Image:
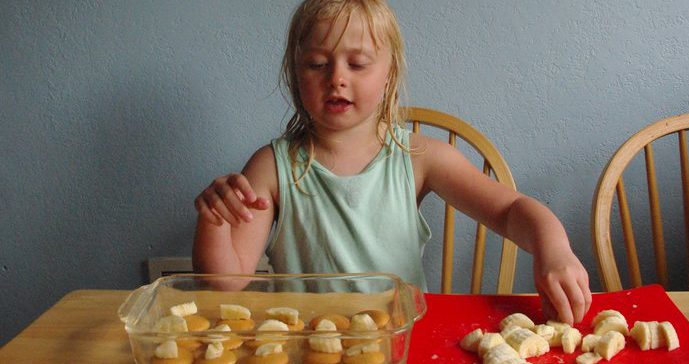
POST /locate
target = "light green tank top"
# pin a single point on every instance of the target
(346, 224)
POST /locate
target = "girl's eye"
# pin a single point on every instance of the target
(357, 66)
(316, 65)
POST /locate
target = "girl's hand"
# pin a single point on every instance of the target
(563, 285)
(229, 198)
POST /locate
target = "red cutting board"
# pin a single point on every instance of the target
(436, 337)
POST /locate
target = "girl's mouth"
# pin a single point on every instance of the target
(337, 105)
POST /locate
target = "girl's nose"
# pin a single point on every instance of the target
(338, 77)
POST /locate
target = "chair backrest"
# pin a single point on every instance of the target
(493, 165)
(165, 266)
(611, 183)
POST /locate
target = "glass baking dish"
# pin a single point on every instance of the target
(311, 295)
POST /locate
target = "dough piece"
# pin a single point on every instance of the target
(373, 357)
(277, 358)
(227, 357)
(297, 327)
(238, 325)
(197, 323)
(315, 357)
(348, 343)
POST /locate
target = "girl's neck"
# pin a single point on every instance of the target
(350, 140)
(349, 153)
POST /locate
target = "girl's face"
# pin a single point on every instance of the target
(342, 75)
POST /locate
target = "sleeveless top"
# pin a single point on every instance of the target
(346, 224)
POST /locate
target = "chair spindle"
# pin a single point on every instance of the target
(628, 234)
(448, 237)
(656, 218)
(684, 162)
(479, 247)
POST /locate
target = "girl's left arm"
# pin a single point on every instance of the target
(560, 278)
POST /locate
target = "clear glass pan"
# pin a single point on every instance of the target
(311, 294)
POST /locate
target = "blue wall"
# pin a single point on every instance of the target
(115, 114)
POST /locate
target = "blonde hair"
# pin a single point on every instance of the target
(383, 29)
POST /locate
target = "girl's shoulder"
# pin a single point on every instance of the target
(428, 153)
(261, 170)
(264, 156)
(424, 147)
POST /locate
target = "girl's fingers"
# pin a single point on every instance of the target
(548, 310)
(261, 203)
(586, 290)
(559, 300)
(221, 192)
(233, 202)
(218, 204)
(576, 300)
(242, 188)
(206, 212)
(230, 198)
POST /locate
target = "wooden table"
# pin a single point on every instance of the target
(83, 327)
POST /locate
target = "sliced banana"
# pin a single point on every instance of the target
(527, 344)
(234, 312)
(544, 331)
(214, 350)
(499, 354)
(362, 322)
(602, 315)
(507, 331)
(641, 333)
(556, 339)
(657, 340)
(273, 325)
(328, 342)
(268, 349)
(612, 323)
(588, 358)
(611, 343)
(287, 315)
(588, 343)
(167, 350)
(517, 319)
(217, 338)
(362, 348)
(515, 361)
(558, 326)
(489, 340)
(471, 340)
(669, 333)
(326, 325)
(222, 328)
(184, 309)
(571, 338)
(171, 324)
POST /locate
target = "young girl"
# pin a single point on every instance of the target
(344, 182)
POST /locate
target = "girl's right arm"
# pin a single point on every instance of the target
(235, 215)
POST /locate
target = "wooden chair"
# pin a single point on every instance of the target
(492, 162)
(611, 183)
(165, 266)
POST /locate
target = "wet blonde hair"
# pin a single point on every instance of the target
(384, 31)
